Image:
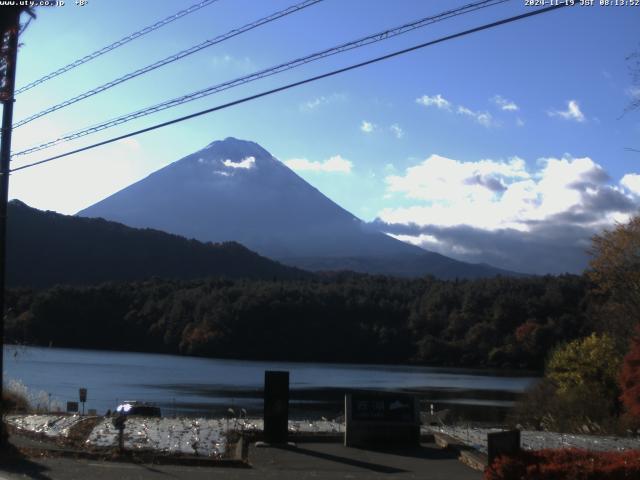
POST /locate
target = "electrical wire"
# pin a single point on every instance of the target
(301, 82)
(114, 45)
(374, 38)
(170, 59)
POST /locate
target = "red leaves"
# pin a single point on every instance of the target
(525, 331)
(630, 378)
(566, 464)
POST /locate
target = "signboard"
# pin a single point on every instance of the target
(390, 408)
(83, 395)
(379, 419)
(276, 406)
(72, 407)
(502, 443)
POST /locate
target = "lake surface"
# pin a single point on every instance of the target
(199, 386)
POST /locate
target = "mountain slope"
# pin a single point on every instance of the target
(46, 248)
(234, 190)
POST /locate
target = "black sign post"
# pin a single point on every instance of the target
(119, 422)
(502, 443)
(83, 397)
(276, 406)
(72, 407)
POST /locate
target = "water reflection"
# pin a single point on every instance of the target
(188, 385)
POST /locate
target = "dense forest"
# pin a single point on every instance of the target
(505, 322)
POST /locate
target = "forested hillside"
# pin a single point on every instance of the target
(46, 248)
(347, 318)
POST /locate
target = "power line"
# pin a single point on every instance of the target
(170, 59)
(119, 43)
(377, 37)
(299, 83)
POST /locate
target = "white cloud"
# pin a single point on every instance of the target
(483, 118)
(633, 92)
(507, 213)
(572, 112)
(437, 101)
(322, 100)
(631, 181)
(246, 163)
(519, 122)
(450, 187)
(243, 64)
(397, 131)
(367, 127)
(335, 164)
(505, 104)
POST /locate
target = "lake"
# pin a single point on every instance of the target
(204, 386)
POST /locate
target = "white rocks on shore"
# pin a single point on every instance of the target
(171, 436)
(52, 426)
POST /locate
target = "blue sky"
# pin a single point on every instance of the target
(480, 147)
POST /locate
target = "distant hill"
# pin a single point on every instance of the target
(46, 248)
(235, 190)
(403, 265)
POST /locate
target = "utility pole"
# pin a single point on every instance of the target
(9, 50)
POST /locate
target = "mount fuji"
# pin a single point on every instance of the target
(235, 190)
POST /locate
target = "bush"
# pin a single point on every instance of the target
(19, 399)
(581, 410)
(13, 401)
(579, 392)
(589, 365)
(566, 464)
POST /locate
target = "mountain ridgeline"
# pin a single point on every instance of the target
(47, 248)
(234, 190)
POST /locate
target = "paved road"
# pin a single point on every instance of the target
(317, 461)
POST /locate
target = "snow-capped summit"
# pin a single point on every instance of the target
(236, 190)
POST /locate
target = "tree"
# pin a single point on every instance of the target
(615, 272)
(584, 365)
(630, 378)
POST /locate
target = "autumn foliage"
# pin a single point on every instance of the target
(615, 272)
(566, 464)
(591, 363)
(630, 379)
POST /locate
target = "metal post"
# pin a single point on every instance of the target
(276, 407)
(11, 49)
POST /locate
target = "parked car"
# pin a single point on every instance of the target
(133, 407)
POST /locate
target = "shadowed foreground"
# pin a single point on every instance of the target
(317, 460)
